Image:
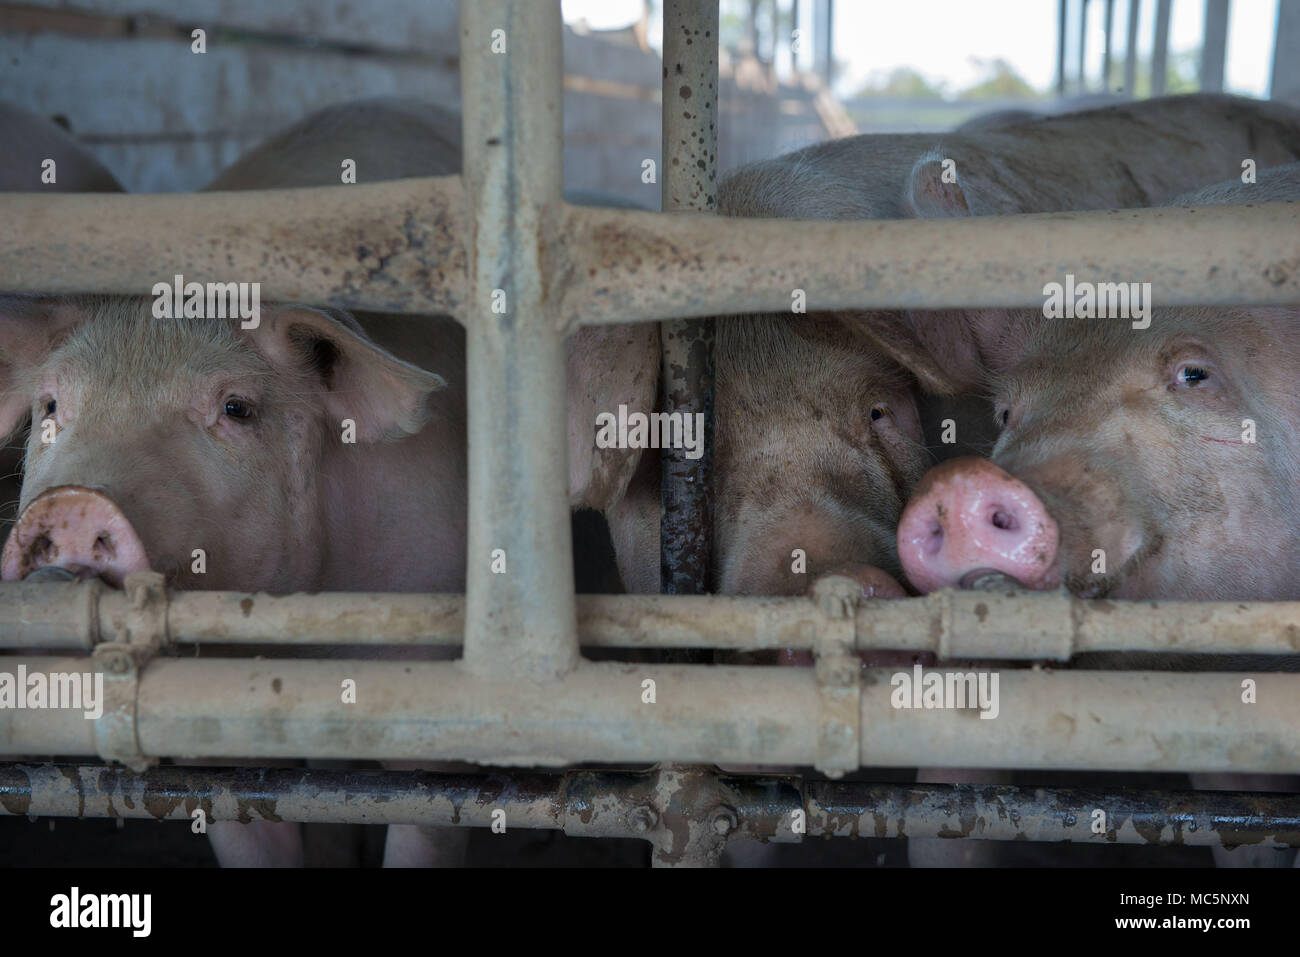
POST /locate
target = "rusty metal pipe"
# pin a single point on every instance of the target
(633, 804)
(1209, 255)
(689, 184)
(386, 247)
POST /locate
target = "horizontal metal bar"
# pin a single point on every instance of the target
(624, 804)
(398, 247)
(1004, 813)
(951, 624)
(638, 266)
(419, 710)
(387, 247)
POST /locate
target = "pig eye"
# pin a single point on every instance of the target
(238, 409)
(877, 414)
(50, 406)
(1192, 375)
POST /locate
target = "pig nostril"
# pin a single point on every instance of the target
(1004, 520)
(934, 541)
(104, 546)
(42, 549)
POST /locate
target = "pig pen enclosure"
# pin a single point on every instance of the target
(522, 695)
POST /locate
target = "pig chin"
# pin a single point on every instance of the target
(1126, 564)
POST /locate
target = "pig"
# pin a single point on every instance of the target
(1129, 441)
(173, 435)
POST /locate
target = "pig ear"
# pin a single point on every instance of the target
(935, 189)
(969, 343)
(607, 366)
(934, 364)
(386, 397)
(30, 329)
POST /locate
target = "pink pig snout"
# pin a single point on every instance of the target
(75, 528)
(969, 516)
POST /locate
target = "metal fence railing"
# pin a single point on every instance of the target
(522, 693)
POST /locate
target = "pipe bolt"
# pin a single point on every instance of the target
(642, 818)
(724, 820)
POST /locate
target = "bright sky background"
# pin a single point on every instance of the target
(938, 37)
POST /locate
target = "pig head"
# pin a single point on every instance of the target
(216, 455)
(1135, 463)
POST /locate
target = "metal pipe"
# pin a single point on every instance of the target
(1214, 45)
(690, 154)
(950, 624)
(1209, 255)
(629, 804)
(1160, 49)
(1215, 255)
(435, 711)
(1061, 22)
(1083, 45)
(1004, 813)
(1130, 48)
(1285, 82)
(520, 617)
(387, 247)
(1105, 55)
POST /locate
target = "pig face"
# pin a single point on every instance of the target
(1156, 463)
(152, 438)
(818, 445)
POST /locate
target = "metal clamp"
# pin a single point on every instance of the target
(837, 671)
(120, 662)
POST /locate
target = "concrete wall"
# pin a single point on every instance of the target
(122, 75)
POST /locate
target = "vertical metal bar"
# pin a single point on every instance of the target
(1083, 45)
(1062, 7)
(1105, 54)
(1285, 84)
(690, 137)
(1160, 49)
(1130, 48)
(1214, 46)
(773, 25)
(822, 46)
(519, 601)
(830, 43)
(794, 26)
